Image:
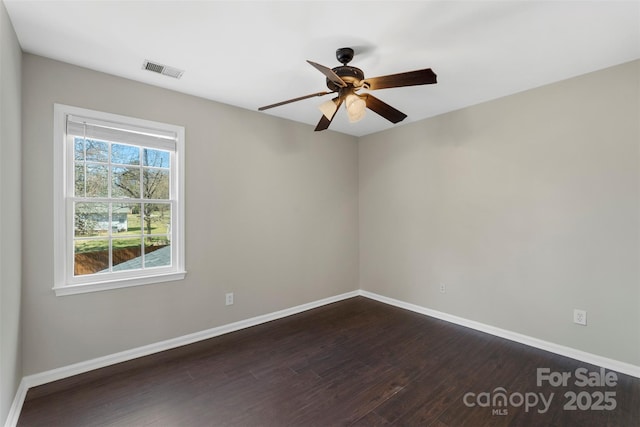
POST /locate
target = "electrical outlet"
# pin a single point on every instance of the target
(580, 317)
(228, 299)
(443, 288)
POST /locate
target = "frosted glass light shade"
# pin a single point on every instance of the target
(328, 108)
(356, 107)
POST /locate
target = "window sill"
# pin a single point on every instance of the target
(116, 284)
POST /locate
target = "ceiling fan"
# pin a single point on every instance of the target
(346, 81)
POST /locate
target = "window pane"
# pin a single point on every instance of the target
(90, 256)
(133, 218)
(155, 158)
(79, 180)
(125, 154)
(123, 219)
(97, 151)
(91, 219)
(126, 182)
(96, 181)
(78, 148)
(157, 252)
(155, 183)
(127, 254)
(157, 218)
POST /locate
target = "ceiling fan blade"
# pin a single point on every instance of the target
(383, 109)
(324, 121)
(411, 78)
(329, 73)
(266, 107)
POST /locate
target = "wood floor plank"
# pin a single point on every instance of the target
(356, 362)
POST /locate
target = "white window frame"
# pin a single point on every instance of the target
(65, 283)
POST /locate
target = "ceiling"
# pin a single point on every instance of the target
(253, 53)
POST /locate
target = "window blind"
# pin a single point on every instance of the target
(118, 132)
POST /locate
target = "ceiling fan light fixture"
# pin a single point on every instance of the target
(328, 108)
(356, 107)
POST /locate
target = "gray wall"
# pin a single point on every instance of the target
(10, 242)
(525, 208)
(271, 215)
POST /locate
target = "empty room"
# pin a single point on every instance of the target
(319, 213)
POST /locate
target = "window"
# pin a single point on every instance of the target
(119, 211)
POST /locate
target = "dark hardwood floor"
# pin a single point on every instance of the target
(356, 362)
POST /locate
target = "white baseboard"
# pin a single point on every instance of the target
(594, 359)
(101, 362)
(16, 405)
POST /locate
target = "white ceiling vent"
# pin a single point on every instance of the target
(162, 69)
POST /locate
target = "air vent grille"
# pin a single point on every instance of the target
(162, 69)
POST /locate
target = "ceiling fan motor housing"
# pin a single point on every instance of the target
(350, 75)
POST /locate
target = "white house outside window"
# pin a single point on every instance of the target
(118, 201)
